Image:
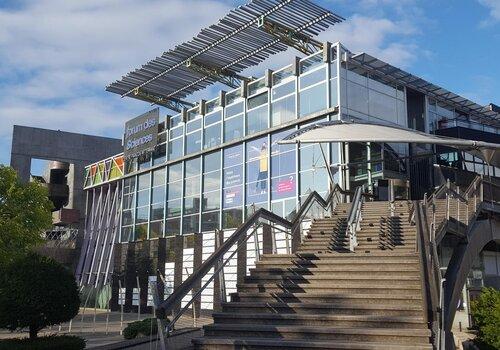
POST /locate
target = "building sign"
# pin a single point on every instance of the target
(141, 134)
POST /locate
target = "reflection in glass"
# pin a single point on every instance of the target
(313, 100)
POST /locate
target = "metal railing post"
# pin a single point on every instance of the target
(139, 298)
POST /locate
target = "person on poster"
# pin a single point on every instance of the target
(262, 177)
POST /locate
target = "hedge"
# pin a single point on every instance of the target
(60, 342)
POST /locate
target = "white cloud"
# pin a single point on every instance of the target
(381, 37)
(494, 9)
(56, 57)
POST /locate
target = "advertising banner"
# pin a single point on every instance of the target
(141, 134)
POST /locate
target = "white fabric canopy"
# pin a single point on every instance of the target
(361, 131)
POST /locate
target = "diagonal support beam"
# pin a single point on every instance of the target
(222, 75)
(170, 103)
(290, 36)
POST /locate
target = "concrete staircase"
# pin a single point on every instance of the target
(326, 297)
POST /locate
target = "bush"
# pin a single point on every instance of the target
(145, 327)
(61, 342)
(486, 314)
(36, 292)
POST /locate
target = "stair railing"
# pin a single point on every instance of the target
(238, 239)
(354, 218)
(472, 198)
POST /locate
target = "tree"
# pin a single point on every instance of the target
(486, 313)
(36, 292)
(25, 212)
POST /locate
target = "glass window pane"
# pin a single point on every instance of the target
(233, 197)
(127, 217)
(211, 201)
(233, 128)
(233, 176)
(158, 194)
(256, 101)
(213, 118)
(172, 227)
(129, 185)
(160, 154)
(175, 149)
(311, 157)
(235, 109)
(283, 90)
(143, 180)
(192, 186)
(232, 218)
(192, 167)
(209, 221)
(141, 232)
(211, 162)
(283, 110)
(174, 208)
(211, 181)
(309, 63)
(256, 191)
(257, 149)
(157, 211)
(176, 132)
(312, 78)
(142, 198)
(128, 201)
(283, 164)
(314, 180)
(257, 120)
(127, 234)
(191, 205)
(193, 125)
(159, 177)
(175, 172)
(334, 98)
(156, 229)
(283, 187)
(212, 135)
(174, 190)
(233, 155)
(193, 142)
(313, 100)
(190, 224)
(142, 215)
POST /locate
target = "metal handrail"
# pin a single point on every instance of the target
(354, 218)
(253, 222)
(429, 247)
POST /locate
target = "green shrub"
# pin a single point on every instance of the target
(145, 327)
(486, 313)
(61, 342)
(36, 292)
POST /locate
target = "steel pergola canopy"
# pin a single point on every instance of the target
(236, 42)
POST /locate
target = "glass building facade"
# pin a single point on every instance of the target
(223, 161)
(218, 162)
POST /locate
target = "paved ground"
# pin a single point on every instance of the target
(99, 333)
(461, 320)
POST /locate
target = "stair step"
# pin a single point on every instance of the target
(312, 297)
(379, 288)
(370, 321)
(335, 268)
(322, 308)
(333, 281)
(410, 336)
(273, 344)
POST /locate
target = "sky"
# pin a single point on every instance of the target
(57, 56)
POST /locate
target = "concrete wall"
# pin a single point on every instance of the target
(77, 149)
